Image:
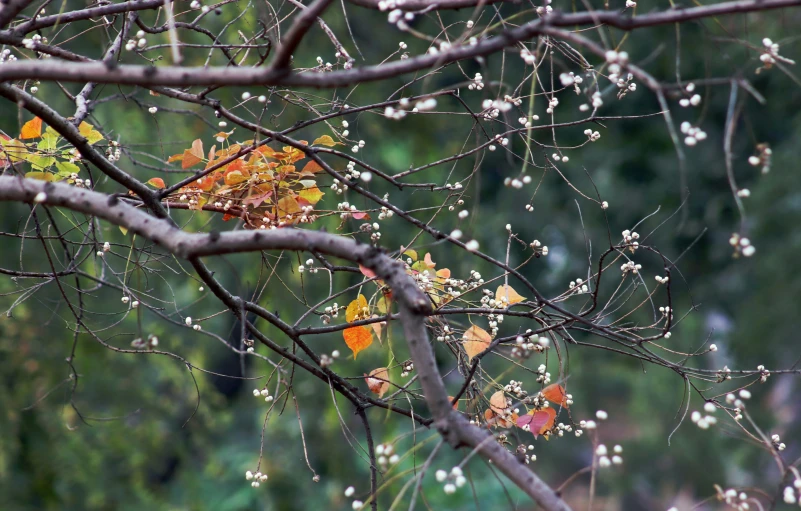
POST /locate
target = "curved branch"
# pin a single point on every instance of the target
(413, 304)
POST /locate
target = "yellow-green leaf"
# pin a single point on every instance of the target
(90, 133)
(325, 140)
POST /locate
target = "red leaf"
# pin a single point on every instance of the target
(538, 421)
(367, 272)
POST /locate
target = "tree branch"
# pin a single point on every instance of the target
(413, 304)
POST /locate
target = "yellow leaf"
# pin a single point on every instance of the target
(357, 338)
(311, 194)
(357, 309)
(412, 254)
(378, 381)
(324, 140)
(14, 150)
(90, 133)
(288, 206)
(234, 177)
(41, 176)
(31, 129)
(507, 295)
(475, 340)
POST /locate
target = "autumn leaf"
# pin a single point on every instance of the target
(194, 155)
(357, 309)
(538, 421)
(475, 340)
(31, 129)
(360, 215)
(14, 149)
(410, 253)
(357, 338)
(443, 274)
(234, 177)
(511, 296)
(41, 176)
(157, 182)
(312, 168)
(498, 402)
(378, 381)
(287, 206)
(367, 272)
(189, 159)
(555, 393)
(428, 261)
(311, 194)
(325, 140)
(90, 133)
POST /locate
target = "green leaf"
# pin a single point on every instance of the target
(66, 168)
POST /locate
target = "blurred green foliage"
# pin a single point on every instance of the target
(138, 448)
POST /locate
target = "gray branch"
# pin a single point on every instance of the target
(413, 304)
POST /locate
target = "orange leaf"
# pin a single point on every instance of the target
(556, 394)
(357, 338)
(444, 273)
(31, 129)
(511, 296)
(312, 167)
(475, 340)
(378, 381)
(157, 182)
(428, 261)
(190, 159)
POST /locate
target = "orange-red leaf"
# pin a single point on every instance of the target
(357, 338)
(475, 340)
(157, 182)
(378, 381)
(31, 129)
(556, 394)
